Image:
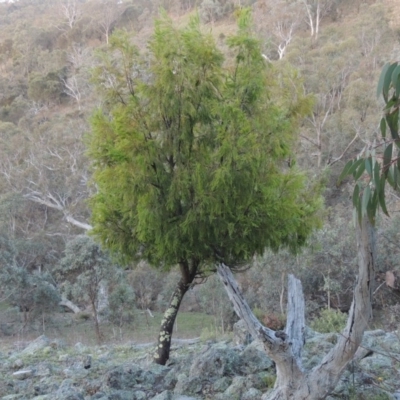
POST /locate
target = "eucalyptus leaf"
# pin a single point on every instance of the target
(356, 194)
(365, 199)
(383, 127)
(395, 75)
(381, 196)
(387, 157)
(381, 81)
(345, 171)
(357, 174)
(388, 80)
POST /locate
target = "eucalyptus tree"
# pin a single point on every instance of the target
(193, 155)
(379, 164)
(371, 172)
(83, 270)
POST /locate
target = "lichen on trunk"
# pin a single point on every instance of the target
(188, 273)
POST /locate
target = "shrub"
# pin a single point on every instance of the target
(274, 321)
(213, 300)
(84, 271)
(329, 321)
(46, 89)
(213, 334)
(147, 284)
(83, 316)
(213, 10)
(32, 293)
(258, 313)
(122, 304)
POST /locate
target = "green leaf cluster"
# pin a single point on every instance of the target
(372, 170)
(329, 321)
(191, 162)
(83, 268)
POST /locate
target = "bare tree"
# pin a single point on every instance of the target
(284, 32)
(111, 10)
(318, 119)
(54, 172)
(75, 88)
(285, 347)
(70, 12)
(78, 56)
(316, 10)
(328, 102)
(57, 202)
(278, 20)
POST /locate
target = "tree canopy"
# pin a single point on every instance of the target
(379, 163)
(193, 151)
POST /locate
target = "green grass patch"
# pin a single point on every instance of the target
(142, 329)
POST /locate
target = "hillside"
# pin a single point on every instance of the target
(48, 51)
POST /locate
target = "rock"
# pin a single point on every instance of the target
(235, 391)
(218, 371)
(132, 376)
(251, 394)
(87, 362)
(63, 357)
(73, 395)
(125, 395)
(186, 385)
(221, 396)
(75, 373)
(45, 369)
(215, 363)
(220, 385)
(376, 333)
(23, 374)
(122, 377)
(67, 391)
(166, 395)
(80, 348)
(315, 349)
(376, 364)
(58, 344)
(253, 360)
(40, 343)
(139, 395)
(241, 334)
(260, 380)
(17, 364)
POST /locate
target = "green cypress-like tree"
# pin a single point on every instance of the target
(193, 155)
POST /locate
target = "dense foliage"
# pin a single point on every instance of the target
(381, 161)
(47, 53)
(190, 165)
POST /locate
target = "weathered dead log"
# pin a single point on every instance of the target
(285, 347)
(69, 304)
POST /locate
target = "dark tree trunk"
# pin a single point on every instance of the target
(188, 274)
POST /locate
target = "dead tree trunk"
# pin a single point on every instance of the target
(69, 304)
(285, 347)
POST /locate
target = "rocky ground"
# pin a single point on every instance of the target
(227, 370)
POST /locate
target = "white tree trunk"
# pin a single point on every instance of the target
(285, 347)
(69, 304)
(102, 300)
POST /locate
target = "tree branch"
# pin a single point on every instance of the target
(53, 203)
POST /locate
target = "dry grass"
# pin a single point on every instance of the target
(393, 7)
(79, 328)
